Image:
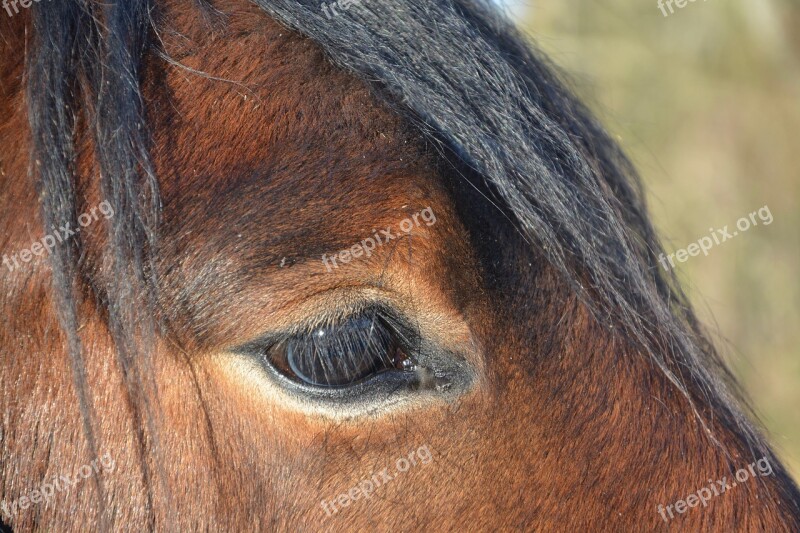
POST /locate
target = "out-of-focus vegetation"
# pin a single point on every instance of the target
(706, 101)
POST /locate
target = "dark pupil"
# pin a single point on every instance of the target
(336, 356)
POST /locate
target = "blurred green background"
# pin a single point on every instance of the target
(706, 101)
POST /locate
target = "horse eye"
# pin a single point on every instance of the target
(340, 355)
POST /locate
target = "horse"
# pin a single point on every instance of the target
(325, 266)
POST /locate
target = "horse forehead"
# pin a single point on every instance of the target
(257, 141)
(278, 164)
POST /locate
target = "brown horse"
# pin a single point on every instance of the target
(302, 265)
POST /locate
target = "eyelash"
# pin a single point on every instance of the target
(344, 354)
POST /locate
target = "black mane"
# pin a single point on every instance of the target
(462, 73)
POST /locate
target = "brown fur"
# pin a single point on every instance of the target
(564, 428)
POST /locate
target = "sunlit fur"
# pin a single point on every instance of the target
(231, 147)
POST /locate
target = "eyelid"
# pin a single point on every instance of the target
(407, 334)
